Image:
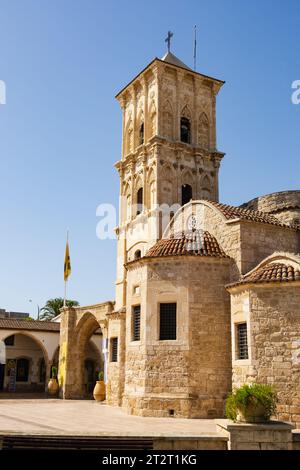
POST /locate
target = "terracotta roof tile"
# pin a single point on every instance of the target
(272, 272)
(232, 212)
(29, 325)
(196, 243)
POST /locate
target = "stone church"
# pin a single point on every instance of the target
(207, 294)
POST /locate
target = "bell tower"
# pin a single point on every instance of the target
(169, 152)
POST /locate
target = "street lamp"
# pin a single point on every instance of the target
(38, 309)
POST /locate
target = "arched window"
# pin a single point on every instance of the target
(141, 135)
(22, 370)
(185, 130)
(137, 254)
(139, 201)
(186, 194)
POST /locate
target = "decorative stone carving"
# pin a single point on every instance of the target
(203, 132)
(168, 121)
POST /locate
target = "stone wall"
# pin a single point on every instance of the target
(284, 205)
(274, 435)
(191, 443)
(259, 241)
(273, 319)
(189, 376)
(116, 370)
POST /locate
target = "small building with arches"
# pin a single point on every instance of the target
(31, 348)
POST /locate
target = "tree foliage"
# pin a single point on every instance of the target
(52, 307)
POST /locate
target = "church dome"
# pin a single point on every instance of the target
(192, 243)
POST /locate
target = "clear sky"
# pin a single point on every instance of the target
(63, 61)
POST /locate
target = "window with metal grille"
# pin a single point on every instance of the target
(167, 323)
(114, 349)
(136, 323)
(242, 342)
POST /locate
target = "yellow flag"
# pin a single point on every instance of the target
(67, 265)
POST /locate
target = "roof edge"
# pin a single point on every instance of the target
(222, 82)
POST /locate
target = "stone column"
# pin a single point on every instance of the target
(179, 78)
(216, 178)
(145, 92)
(123, 107)
(134, 119)
(68, 360)
(157, 74)
(195, 114)
(145, 184)
(132, 195)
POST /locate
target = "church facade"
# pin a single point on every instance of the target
(207, 294)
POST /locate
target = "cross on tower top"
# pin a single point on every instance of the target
(168, 40)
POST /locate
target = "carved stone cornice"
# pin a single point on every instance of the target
(117, 315)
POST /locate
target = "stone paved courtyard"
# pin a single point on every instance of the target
(79, 417)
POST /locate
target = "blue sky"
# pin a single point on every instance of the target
(63, 61)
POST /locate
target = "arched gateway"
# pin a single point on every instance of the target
(85, 351)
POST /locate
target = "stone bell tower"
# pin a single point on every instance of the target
(169, 153)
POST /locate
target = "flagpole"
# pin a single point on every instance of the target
(195, 46)
(66, 280)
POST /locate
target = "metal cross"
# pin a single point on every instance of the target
(168, 40)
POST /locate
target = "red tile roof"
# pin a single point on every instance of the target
(34, 325)
(232, 212)
(196, 243)
(272, 272)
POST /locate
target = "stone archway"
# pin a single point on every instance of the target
(77, 329)
(84, 343)
(86, 347)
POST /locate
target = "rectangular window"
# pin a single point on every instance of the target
(242, 342)
(167, 321)
(136, 290)
(136, 323)
(114, 349)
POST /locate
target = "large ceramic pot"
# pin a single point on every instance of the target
(53, 387)
(99, 391)
(252, 414)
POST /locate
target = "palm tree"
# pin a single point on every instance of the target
(53, 306)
